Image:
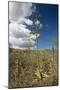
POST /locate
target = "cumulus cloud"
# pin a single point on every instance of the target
(20, 37)
(26, 21)
(21, 42)
(18, 30)
(19, 34)
(18, 10)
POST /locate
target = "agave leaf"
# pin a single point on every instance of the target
(37, 73)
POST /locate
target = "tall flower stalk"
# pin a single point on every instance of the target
(37, 26)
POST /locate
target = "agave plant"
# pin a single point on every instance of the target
(37, 26)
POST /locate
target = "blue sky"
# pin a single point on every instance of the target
(20, 25)
(49, 19)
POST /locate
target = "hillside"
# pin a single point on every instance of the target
(32, 68)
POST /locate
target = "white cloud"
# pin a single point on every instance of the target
(19, 34)
(18, 10)
(18, 31)
(21, 42)
(26, 21)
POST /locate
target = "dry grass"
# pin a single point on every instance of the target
(23, 65)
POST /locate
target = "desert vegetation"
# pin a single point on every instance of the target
(25, 72)
(33, 45)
